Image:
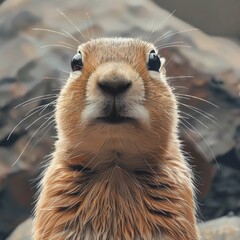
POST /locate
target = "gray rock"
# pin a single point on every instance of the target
(23, 231)
(12, 24)
(225, 228)
(16, 196)
(224, 196)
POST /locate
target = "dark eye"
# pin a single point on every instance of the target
(154, 62)
(77, 63)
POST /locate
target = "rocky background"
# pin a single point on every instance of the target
(203, 70)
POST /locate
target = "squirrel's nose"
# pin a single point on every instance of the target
(114, 87)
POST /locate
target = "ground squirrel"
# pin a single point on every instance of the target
(117, 172)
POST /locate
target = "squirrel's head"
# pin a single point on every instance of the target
(117, 91)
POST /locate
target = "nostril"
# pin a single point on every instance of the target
(122, 87)
(114, 87)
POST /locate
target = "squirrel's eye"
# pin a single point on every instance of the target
(154, 62)
(77, 63)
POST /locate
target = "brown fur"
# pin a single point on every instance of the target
(117, 182)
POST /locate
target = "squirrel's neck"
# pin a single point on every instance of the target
(111, 194)
(127, 150)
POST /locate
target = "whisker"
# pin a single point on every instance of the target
(46, 106)
(200, 99)
(178, 77)
(166, 64)
(164, 20)
(195, 119)
(51, 31)
(191, 130)
(41, 107)
(195, 143)
(68, 72)
(196, 131)
(172, 46)
(43, 97)
(49, 122)
(174, 87)
(207, 115)
(40, 139)
(57, 45)
(36, 109)
(10, 134)
(200, 111)
(173, 34)
(149, 27)
(23, 150)
(70, 35)
(165, 34)
(67, 44)
(37, 120)
(91, 25)
(54, 78)
(72, 24)
(41, 100)
(171, 43)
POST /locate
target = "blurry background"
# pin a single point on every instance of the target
(34, 64)
(215, 17)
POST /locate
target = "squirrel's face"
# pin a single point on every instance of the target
(117, 88)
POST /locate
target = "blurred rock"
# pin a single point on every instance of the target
(23, 231)
(224, 197)
(237, 140)
(16, 197)
(203, 171)
(14, 23)
(225, 228)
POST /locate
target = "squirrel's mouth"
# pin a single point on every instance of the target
(113, 115)
(115, 119)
